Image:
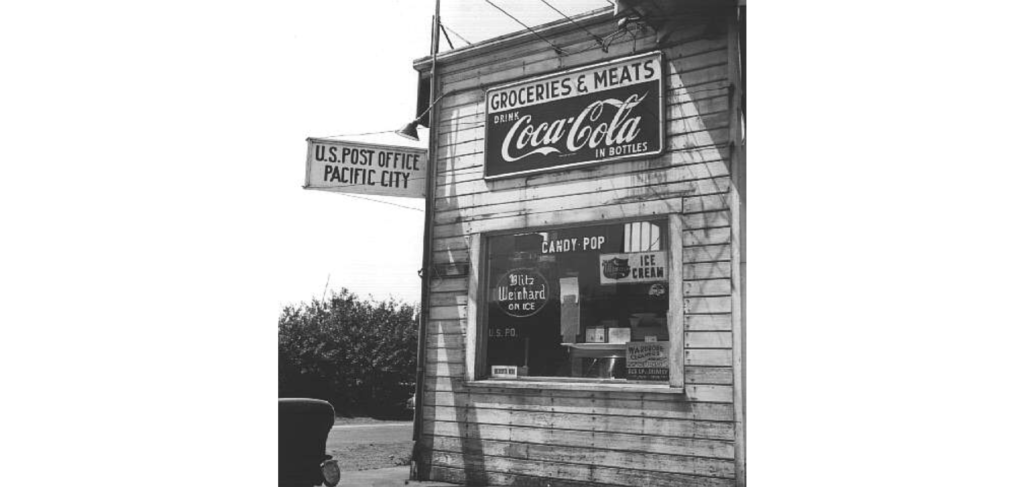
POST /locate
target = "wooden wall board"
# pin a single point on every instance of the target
(709, 322)
(451, 257)
(679, 409)
(637, 460)
(707, 304)
(600, 196)
(714, 202)
(447, 312)
(709, 357)
(574, 472)
(446, 327)
(706, 236)
(647, 208)
(707, 253)
(640, 182)
(707, 270)
(446, 341)
(707, 287)
(536, 57)
(709, 375)
(677, 60)
(458, 242)
(470, 180)
(439, 370)
(708, 339)
(681, 428)
(706, 448)
(434, 355)
(461, 476)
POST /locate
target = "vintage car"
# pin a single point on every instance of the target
(302, 427)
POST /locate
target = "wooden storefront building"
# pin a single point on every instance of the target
(583, 310)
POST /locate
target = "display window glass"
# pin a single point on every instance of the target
(583, 302)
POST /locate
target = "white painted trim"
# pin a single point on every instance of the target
(676, 301)
(472, 308)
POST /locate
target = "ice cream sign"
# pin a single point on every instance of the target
(633, 267)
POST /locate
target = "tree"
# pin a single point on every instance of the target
(358, 354)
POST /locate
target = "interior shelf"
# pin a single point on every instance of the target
(596, 346)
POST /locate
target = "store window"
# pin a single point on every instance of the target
(583, 302)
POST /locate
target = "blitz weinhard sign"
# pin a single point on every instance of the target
(360, 168)
(594, 114)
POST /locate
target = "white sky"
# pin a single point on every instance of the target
(346, 68)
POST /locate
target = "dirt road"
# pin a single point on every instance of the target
(369, 446)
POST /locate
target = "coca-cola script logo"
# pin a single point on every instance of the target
(584, 130)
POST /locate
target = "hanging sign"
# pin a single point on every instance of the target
(633, 267)
(594, 114)
(361, 168)
(647, 360)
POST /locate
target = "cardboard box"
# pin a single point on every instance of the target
(619, 335)
(595, 334)
(648, 324)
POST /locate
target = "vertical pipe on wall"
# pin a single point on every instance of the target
(737, 207)
(428, 240)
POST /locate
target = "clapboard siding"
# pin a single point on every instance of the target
(469, 179)
(707, 236)
(623, 404)
(690, 55)
(602, 192)
(589, 473)
(671, 179)
(445, 355)
(707, 253)
(692, 375)
(656, 462)
(709, 357)
(707, 304)
(685, 41)
(489, 432)
(446, 341)
(707, 287)
(571, 202)
(684, 428)
(446, 326)
(479, 476)
(439, 370)
(707, 322)
(597, 212)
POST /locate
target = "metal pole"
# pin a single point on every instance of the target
(428, 240)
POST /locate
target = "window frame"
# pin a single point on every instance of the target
(476, 374)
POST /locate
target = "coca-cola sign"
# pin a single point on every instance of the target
(594, 114)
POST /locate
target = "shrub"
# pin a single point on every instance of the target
(358, 354)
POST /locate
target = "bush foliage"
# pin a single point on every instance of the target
(358, 354)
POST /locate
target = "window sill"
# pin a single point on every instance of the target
(574, 385)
